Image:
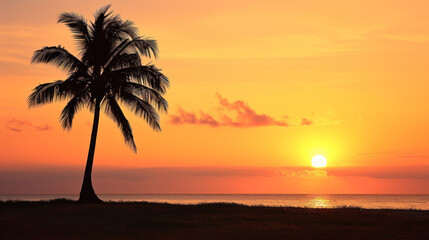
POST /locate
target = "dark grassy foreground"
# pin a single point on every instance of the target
(63, 219)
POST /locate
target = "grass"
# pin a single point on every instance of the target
(66, 219)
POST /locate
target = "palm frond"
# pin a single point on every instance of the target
(72, 107)
(144, 46)
(117, 28)
(147, 47)
(59, 90)
(102, 12)
(113, 110)
(148, 75)
(141, 108)
(129, 28)
(78, 26)
(59, 57)
(45, 93)
(115, 51)
(148, 94)
(126, 60)
(99, 46)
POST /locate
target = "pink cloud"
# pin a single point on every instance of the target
(183, 117)
(237, 114)
(245, 115)
(18, 126)
(305, 122)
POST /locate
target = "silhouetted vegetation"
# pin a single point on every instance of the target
(108, 72)
(65, 219)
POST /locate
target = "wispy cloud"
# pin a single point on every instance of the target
(240, 114)
(391, 172)
(61, 179)
(386, 172)
(18, 126)
(376, 155)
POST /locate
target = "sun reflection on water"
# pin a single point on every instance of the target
(319, 202)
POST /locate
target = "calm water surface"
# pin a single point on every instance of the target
(293, 200)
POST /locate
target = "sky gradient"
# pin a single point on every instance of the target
(258, 89)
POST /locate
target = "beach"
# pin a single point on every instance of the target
(65, 219)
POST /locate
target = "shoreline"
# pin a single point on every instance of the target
(71, 201)
(366, 201)
(65, 219)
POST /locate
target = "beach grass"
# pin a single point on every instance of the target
(66, 219)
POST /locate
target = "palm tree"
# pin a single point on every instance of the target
(109, 72)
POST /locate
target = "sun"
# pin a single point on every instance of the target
(318, 161)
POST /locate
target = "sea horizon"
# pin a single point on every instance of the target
(367, 201)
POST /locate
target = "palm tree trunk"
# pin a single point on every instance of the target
(87, 193)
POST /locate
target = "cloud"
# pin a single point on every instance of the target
(183, 117)
(240, 114)
(305, 122)
(18, 126)
(138, 174)
(300, 172)
(245, 115)
(385, 172)
(390, 156)
(61, 179)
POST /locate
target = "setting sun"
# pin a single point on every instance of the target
(318, 161)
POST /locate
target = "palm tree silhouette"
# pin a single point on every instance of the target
(109, 71)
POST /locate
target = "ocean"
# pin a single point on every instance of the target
(374, 201)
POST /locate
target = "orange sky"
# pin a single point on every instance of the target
(258, 88)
